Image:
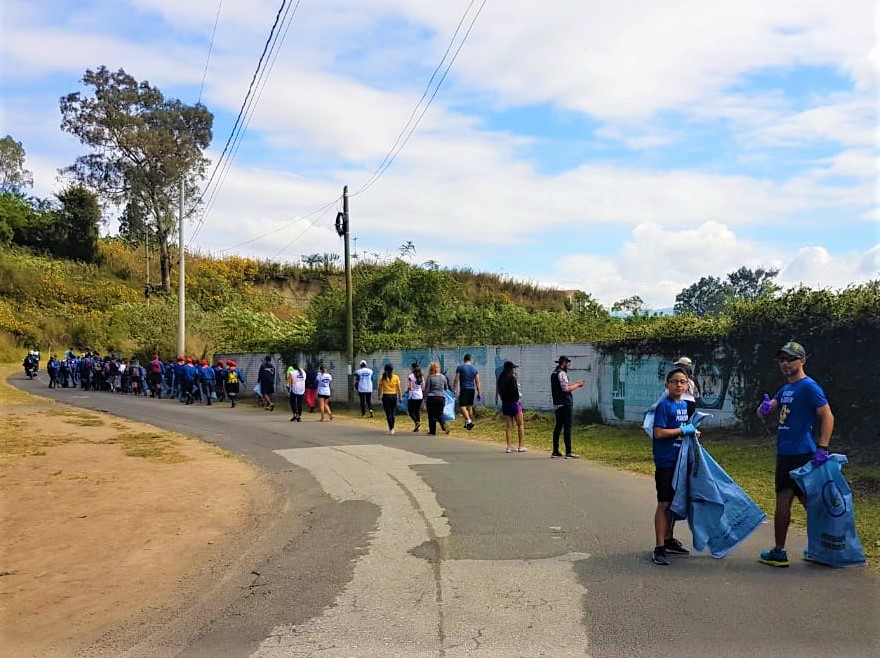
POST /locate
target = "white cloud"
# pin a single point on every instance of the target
(658, 263)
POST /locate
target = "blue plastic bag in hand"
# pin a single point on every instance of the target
(720, 514)
(831, 521)
(449, 407)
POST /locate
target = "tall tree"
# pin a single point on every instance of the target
(751, 285)
(144, 146)
(134, 225)
(77, 224)
(634, 305)
(586, 308)
(708, 296)
(13, 176)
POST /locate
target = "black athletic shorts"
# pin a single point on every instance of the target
(786, 463)
(466, 397)
(663, 481)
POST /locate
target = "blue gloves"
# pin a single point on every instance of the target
(688, 430)
(821, 456)
(479, 398)
(766, 406)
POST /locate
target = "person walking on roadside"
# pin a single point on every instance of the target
(561, 389)
(311, 398)
(234, 380)
(511, 407)
(389, 389)
(156, 369)
(266, 377)
(435, 398)
(800, 403)
(296, 386)
(364, 383)
(208, 378)
(324, 379)
(414, 383)
(467, 383)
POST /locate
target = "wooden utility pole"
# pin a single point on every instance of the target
(343, 230)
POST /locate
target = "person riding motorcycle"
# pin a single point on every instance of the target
(30, 365)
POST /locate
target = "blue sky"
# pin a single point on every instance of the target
(621, 150)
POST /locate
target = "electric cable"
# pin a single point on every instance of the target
(210, 50)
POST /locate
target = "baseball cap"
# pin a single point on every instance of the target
(685, 361)
(363, 363)
(791, 348)
(563, 359)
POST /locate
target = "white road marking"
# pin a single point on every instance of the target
(401, 605)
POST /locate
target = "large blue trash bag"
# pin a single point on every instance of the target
(831, 520)
(449, 407)
(720, 514)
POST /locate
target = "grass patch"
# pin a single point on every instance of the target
(153, 446)
(10, 395)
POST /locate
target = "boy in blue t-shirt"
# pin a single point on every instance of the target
(670, 424)
(800, 402)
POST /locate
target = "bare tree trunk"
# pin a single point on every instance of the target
(164, 259)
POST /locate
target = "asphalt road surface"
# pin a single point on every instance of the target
(410, 545)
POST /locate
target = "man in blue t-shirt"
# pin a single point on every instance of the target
(467, 383)
(799, 403)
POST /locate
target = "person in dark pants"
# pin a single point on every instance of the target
(266, 376)
(415, 381)
(435, 398)
(563, 401)
(389, 389)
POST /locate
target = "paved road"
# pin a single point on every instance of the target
(410, 545)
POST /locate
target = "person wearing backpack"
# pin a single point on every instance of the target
(266, 377)
(156, 370)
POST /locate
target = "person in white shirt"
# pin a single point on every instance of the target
(415, 395)
(296, 387)
(364, 382)
(324, 379)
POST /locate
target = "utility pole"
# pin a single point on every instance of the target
(181, 293)
(147, 290)
(342, 230)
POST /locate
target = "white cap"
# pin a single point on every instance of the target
(363, 363)
(684, 361)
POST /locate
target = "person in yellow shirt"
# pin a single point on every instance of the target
(389, 389)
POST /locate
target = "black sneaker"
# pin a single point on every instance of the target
(556, 455)
(659, 557)
(469, 426)
(674, 547)
(571, 455)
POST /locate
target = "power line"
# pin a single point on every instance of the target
(392, 154)
(210, 50)
(323, 208)
(246, 104)
(252, 103)
(398, 146)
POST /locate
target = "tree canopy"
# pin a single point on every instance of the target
(13, 176)
(711, 296)
(143, 148)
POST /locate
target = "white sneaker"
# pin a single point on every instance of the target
(391, 431)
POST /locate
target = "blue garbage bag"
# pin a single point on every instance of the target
(449, 407)
(720, 514)
(257, 390)
(831, 520)
(403, 402)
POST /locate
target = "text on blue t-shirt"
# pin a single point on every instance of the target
(669, 415)
(798, 402)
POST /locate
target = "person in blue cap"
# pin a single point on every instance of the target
(800, 404)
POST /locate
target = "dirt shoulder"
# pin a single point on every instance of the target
(102, 519)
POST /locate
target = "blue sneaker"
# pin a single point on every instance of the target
(775, 557)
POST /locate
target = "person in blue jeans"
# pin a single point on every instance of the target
(670, 425)
(800, 403)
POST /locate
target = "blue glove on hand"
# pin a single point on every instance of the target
(766, 406)
(821, 456)
(688, 430)
(479, 398)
